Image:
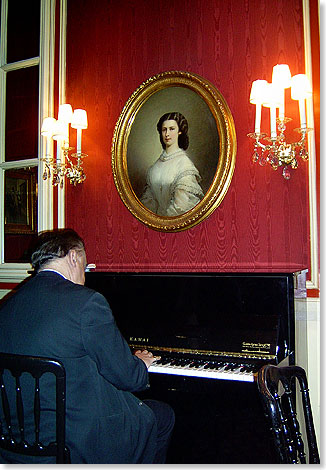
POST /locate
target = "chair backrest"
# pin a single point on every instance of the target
(277, 389)
(36, 367)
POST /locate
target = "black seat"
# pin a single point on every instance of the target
(12, 423)
(277, 390)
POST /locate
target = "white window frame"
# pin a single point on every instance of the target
(16, 272)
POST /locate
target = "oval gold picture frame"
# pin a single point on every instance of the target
(212, 144)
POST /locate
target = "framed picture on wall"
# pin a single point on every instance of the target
(173, 151)
(20, 198)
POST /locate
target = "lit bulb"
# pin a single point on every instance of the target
(301, 90)
(257, 93)
(281, 76)
(79, 122)
(48, 126)
(79, 119)
(60, 131)
(65, 113)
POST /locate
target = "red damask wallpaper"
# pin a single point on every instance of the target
(113, 47)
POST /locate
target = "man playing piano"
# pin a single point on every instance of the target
(55, 315)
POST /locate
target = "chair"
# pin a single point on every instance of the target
(36, 367)
(277, 390)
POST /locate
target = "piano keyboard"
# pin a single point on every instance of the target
(206, 369)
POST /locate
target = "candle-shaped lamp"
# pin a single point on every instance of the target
(257, 95)
(301, 90)
(79, 122)
(60, 134)
(281, 79)
(273, 100)
(65, 116)
(47, 130)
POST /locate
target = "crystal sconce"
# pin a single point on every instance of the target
(277, 152)
(65, 164)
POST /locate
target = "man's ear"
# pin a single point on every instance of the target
(72, 257)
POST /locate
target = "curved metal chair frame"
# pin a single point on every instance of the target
(36, 366)
(280, 409)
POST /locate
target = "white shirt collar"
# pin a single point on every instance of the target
(54, 271)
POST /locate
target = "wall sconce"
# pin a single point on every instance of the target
(58, 130)
(279, 153)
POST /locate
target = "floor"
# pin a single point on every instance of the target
(218, 422)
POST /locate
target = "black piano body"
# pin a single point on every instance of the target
(213, 332)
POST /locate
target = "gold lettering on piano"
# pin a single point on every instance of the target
(260, 348)
(138, 340)
(252, 354)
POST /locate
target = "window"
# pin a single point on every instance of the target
(26, 85)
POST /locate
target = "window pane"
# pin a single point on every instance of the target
(23, 35)
(22, 114)
(20, 213)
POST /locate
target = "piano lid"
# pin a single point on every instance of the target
(231, 314)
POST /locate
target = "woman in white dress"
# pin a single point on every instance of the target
(172, 186)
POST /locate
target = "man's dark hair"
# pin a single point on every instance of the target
(54, 244)
(183, 139)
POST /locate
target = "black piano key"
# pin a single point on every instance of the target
(231, 366)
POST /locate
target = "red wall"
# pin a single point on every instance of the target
(114, 46)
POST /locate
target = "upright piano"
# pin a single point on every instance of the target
(212, 332)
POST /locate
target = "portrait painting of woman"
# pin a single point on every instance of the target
(173, 151)
(173, 181)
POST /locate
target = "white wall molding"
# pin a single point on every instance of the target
(62, 100)
(313, 283)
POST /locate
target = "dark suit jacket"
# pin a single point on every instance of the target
(51, 316)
